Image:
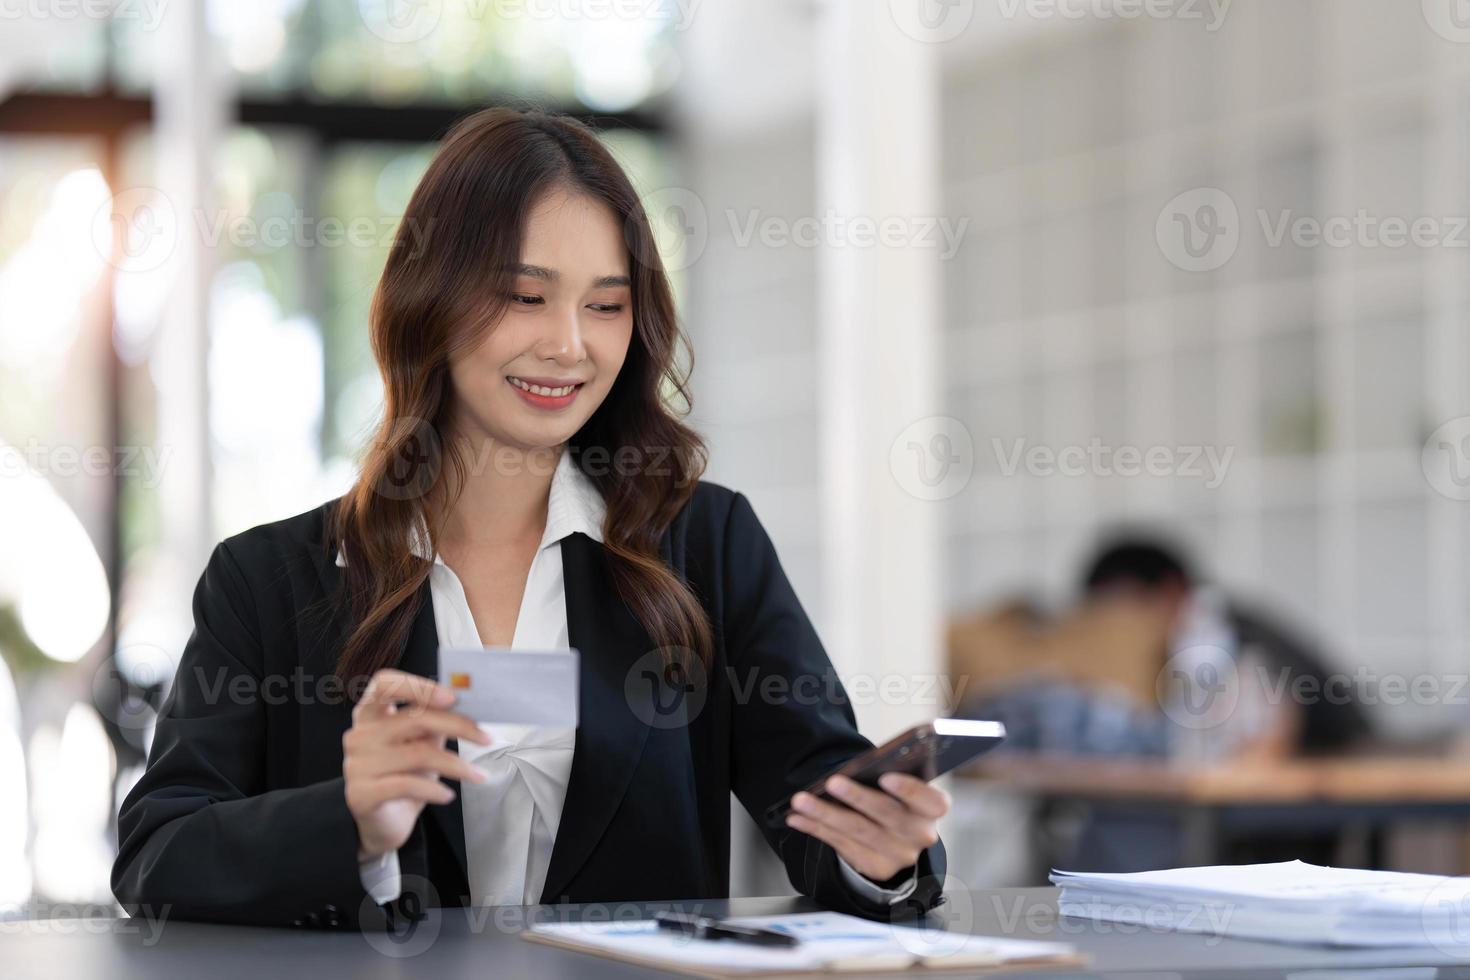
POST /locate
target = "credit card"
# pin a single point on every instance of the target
(499, 686)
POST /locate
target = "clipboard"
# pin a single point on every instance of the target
(640, 943)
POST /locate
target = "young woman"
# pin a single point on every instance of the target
(529, 487)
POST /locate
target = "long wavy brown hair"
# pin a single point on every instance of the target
(442, 287)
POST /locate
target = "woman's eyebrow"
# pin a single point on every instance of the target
(535, 272)
(551, 275)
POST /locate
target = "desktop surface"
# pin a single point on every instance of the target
(475, 943)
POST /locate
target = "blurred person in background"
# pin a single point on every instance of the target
(1217, 641)
(1153, 663)
(1225, 691)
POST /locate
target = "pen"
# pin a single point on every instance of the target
(704, 927)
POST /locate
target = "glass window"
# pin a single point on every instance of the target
(437, 51)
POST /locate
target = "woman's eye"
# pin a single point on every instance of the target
(608, 307)
(525, 299)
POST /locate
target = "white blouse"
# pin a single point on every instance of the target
(511, 819)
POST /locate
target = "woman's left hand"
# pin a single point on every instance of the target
(878, 833)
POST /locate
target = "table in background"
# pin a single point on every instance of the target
(480, 944)
(1325, 794)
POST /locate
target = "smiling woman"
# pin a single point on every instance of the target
(530, 226)
(529, 487)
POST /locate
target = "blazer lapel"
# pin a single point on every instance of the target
(421, 656)
(321, 631)
(611, 731)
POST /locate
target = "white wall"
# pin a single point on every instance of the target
(1322, 369)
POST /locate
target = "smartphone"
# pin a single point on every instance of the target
(925, 751)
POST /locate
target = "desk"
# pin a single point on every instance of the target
(1327, 794)
(1345, 780)
(482, 945)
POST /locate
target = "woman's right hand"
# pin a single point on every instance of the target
(394, 754)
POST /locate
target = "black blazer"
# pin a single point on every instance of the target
(241, 817)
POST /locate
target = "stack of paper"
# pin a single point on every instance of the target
(1286, 902)
(828, 941)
